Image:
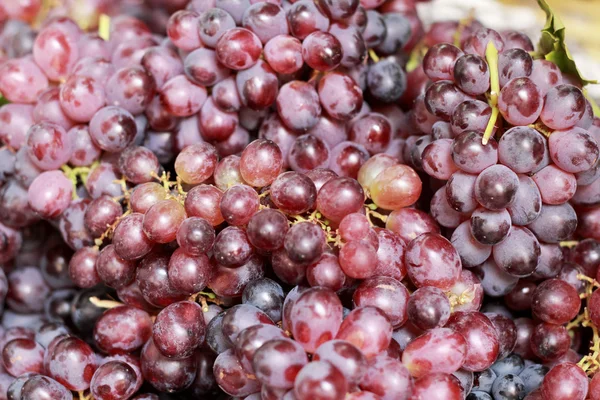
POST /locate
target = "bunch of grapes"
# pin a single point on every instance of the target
(317, 199)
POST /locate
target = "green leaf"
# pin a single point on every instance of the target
(3, 100)
(553, 47)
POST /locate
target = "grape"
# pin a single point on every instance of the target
(278, 362)
(166, 374)
(340, 96)
(471, 74)
(437, 350)
(285, 269)
(470, 115)
(55, 48)
(15, 120)
(387, 378)
(238, 204)
(372, 167)
(438, 159)
(555, 185)
(375, 29)
(344, 356)
(232, 247)
(266, 20)
(50, 194)
(266, 295)
(441, 130)
(298, 105)
(113, 270)
(181, 97)
(566, 380)
(578, 153)
(520, 101)
(188, 273)
(179, 329)
(471, 251)
(49, 109)
(319, 378)
(409, 223)
(564, 106)
(238, 49)
(555, 301)
(72, 362)
(507, 334)
(481, 337)
(122, 329)
(162, 63)
(182, 30)
(496, 187)
(442, 211)
(304, 316)
(478, 41)
(555, 223)
(514, 63)
(517, 40)
(293, 193)
(439, 61)
(27, 290)
(82, 267)
(354, 49)
(490, 227)
(215, 124)
(43, 387)
(533, 376)
(114, 379)
(432, 261)
(260, 162)
(521, 149)
(494, 280)
(550, 341)
(112, 129)
(386, 81)
(527, 204)
(202, 68)
(428, 308)
(322, 51)
(470, 155)
(442, 97)
(519, 253)
(20, 356)
(153, 280)
(399, 31)
(203, 201)
(421, 117)
(460, 192)
(396, 187)
(162, 221)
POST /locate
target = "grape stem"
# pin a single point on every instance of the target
(491, 55)
(82, 395)
(104, 27)
(104, 303)
(76, 174)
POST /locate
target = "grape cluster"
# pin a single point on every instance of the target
(291, 200)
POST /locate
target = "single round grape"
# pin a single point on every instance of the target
(437, 350)
(386, 81)
(179, 329)
(514, 63)
(555, 185)
(555, 223)
(203, 201)
(471, 251)
(478, 41)
(520, 101)
(266, 20)
(428, 308)
(238, 48)
(162, 221)
(375, 29)
(400, 28)
(189, 273)
(396, 187)
(293, 193)
(182, 30)
(202, 68)
(43, 387)
(373, 131)
(482, 339)
(470, 155)
(162, 63)
(494, 280)
(212, 24)
(238, 204)
(225, 95)
(181, 97)
(555, 301)
(322, 51)
(113, 270)
(298, 105)
(339, 197)
(439, 61)
(50, 194)
(471, 74)
(354, 50)
(432, 261)
(138, 164)
(442, 97)
(112, 380)
(122, 329)
(519, 253)
(521, 149)
(527, 204)
(195, 236)
(340, 96)
(344, 356)
(573, 150)
(496, 187)
(347, 157)
(564, 106)
(112, 129)
(470, 115)
(490, 227)
(166, 374)
(304, 17)
(565, 380)
(550, 341)
(72, 362)
(260, 162)
(232, 247)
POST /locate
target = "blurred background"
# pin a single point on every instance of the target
(581, 18)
